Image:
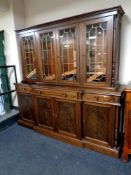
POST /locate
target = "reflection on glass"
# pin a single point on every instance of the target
(28, 50)
(47, 56)
(68, 54)
(96, 52)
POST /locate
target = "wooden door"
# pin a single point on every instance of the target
(44, 112)
(68, 118)
(96, 37)
(68, 54)
(26, 107)
(98, 123)
(28, 57)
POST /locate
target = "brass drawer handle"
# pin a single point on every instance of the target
(97, 98)
(65, 95)
(40, 92)
(23, 89)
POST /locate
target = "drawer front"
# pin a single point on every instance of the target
(55, 93)
(101, 98)
(23, 89)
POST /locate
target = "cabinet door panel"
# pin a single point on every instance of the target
(96, 49)
(98, 122)
(28, 57)
(68, 53)
(45, 112)
(47, 55)
(26, 107)
(66, 113)
(129, 131)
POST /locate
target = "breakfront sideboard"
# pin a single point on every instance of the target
(70, 88)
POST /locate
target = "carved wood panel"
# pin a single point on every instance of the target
(98, 122)
(26, 106)
(45, 113)
(66, 112)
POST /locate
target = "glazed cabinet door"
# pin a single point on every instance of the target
(26, 109)
(46, 41)
(68, 118)
(96, 37)
(28, 57)
(98, 123)
(68, 54)
(44, 112)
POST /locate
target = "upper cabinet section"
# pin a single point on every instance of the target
(47, 55)
(28, 56)
(96, 51)
(77, 51)
(67, 46)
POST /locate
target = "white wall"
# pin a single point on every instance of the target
(40, 11)
(4, 5)
(9, 24)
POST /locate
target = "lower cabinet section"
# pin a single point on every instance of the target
(44, 112)
(68, 117)
(99, 126)
(26, 110)
(92, 123)
(98, 122)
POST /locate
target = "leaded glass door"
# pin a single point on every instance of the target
(47, 55)
(96, 51)
(28, 57)
(68, 54)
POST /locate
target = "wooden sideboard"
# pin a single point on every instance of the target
(70, 87)
(89, 118)
(127, 124)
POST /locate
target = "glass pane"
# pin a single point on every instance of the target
(47, 55)
(28, 50)
(96, 52)
(68, 54)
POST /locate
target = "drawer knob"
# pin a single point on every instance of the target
(65, 95)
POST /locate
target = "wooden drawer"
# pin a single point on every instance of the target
(101, 98)
(56, 93)
(25, 89)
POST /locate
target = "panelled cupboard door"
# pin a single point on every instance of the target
(26, 107)
(44, 112)
(28, 57)
(46, 42)
(129, 132)
(68, 54)
(98, 123)
(67, 113)
(96, 37)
